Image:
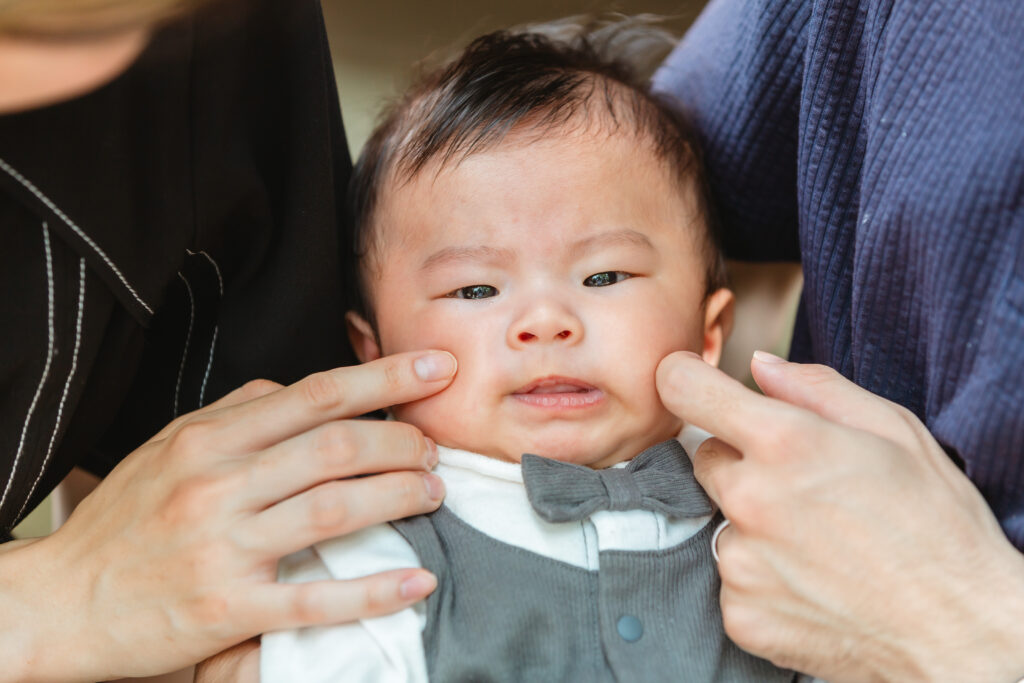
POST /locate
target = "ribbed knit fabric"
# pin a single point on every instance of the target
(659, 479)
(502, 613)
(882, 144)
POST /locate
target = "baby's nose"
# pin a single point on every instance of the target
(530, 336)
(545, 324)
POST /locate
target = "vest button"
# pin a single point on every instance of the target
(630, 628)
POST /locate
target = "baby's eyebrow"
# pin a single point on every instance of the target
(483, 253)
(610, 239)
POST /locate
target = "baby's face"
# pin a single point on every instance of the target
(559, 273)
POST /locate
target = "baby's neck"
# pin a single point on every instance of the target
(600, 463)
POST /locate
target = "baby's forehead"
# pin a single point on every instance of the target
(581, 137)
(494, 192)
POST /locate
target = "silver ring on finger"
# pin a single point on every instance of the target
(714, 538)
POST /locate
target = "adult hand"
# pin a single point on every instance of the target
(857, 551)
(173, 557)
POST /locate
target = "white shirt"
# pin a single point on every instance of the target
(489, 495)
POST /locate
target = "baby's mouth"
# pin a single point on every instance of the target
(559, 393)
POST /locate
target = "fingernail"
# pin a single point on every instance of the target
(434, 366)
(417, 586)
(435, 487)
(691, 354)
(765, 357)
(431, 452)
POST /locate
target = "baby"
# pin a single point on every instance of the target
(533, 210)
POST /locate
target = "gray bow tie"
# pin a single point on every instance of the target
(659, 479)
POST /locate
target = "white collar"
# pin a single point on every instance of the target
(489, 495)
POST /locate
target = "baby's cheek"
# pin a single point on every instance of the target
(643, 395)
(443, 417)
(420, 414)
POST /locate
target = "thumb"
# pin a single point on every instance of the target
(824, 391)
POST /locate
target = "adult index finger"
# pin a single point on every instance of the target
(337, 394)
(249, 391)
(705, 396)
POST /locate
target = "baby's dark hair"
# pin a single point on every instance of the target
(535, 80)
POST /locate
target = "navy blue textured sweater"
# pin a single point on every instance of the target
(882, 144)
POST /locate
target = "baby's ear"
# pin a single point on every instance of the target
(718, 310)
(362, 337)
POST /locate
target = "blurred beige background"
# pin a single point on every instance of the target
(374, 43)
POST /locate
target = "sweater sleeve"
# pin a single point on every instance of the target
(737, 75)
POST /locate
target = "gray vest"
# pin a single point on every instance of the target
(502, 613)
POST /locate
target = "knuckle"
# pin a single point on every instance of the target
(336, 443)
(402, 494)
(906, 415)
(376, 597)
(817, 374)
(743, 512)
(307, 607)
(362, 594)
(394, 378)
(741, 501)
(195, 497)
(328, 510)
(409, 439)
(727, 569)
(906, 429)
(192, 437)
(736, 565)
(411, 492)
(174, 425)
(741, 625)
(912, 422)
(258, 387)
(730, 621)
(321, 391)
(183, 503)
(210, 610)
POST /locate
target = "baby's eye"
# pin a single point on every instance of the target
(606, 278)
(473, 292)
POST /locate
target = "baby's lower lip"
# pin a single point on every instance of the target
(562, 400)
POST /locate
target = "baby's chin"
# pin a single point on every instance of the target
(597, 456)
(589, 446)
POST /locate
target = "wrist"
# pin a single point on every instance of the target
(40, 640)
(979, 636)
(21, 621)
